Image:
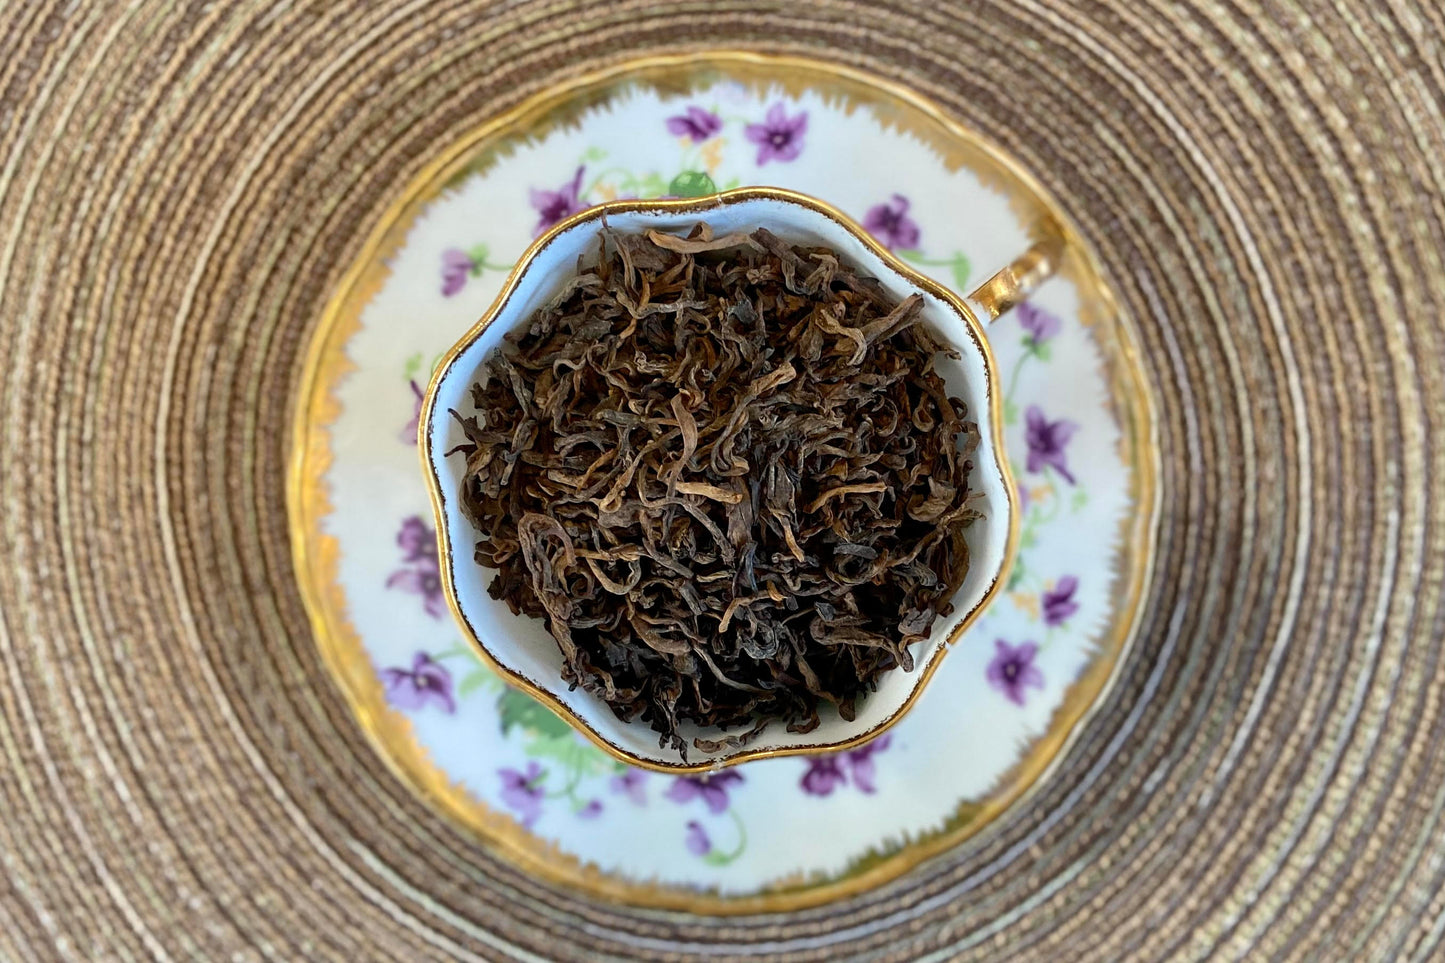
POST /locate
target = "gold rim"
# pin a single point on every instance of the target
(700, 205)
(316, 554)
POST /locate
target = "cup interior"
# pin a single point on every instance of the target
(522, 647)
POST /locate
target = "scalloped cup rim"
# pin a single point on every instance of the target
(521, 650)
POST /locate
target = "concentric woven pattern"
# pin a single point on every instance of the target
(179, 188)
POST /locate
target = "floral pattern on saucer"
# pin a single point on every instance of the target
(738, 831)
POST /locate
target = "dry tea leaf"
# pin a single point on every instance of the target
(725, 473)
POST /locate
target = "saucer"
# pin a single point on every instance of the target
(777, 833)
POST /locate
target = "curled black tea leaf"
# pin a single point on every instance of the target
(726, 474)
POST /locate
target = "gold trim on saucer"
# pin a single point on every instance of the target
(316, 554)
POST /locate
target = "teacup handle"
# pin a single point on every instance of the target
(1013, 284)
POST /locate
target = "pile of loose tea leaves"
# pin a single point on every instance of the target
(726, 474)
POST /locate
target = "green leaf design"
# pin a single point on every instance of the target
(1080, 499)
(733, 184)
(1044, 352)
(1015, 578)
(521, 710)
(960, 272)
(413, 365)
(575, 756)
(1010, 412)
(909, 253)
(478, 256)
(479, 678)
(593, 154)
(692, 184)
(1028, 539)
(715, 858)
(651, 185)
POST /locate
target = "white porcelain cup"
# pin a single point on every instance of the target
(521, 649)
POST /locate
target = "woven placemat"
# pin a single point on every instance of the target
(180, 186)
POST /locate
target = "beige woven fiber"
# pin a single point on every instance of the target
(181, 186)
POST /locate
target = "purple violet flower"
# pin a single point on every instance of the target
(825, 773)
(779, 137)
(1058, 602)
(711, 788)
(522, 792)
(695, 124)
(408, 434)
(1046, 440)
(427, 682)
(417, 540)
(697, 839)
(423, 581)
(1012, 670)
(891, 224)
(1038, 323)
(592, 810)
(457, 266)
(423, 576)
(629, 784)
(860, 762)
(554, 206)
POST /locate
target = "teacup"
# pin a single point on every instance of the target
(522, 650)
